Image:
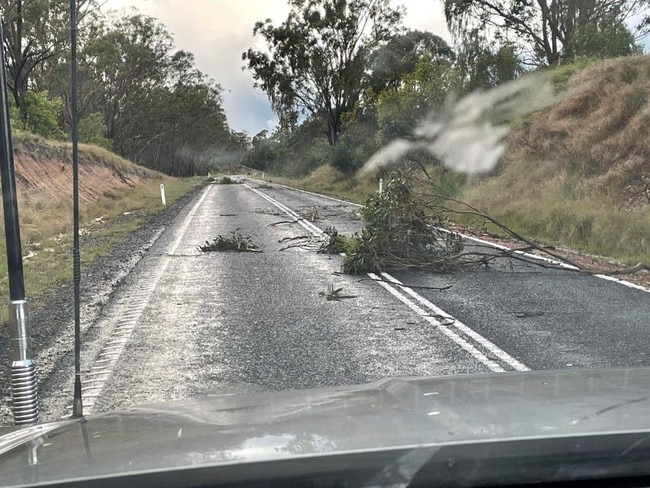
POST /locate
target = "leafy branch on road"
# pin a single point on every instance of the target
(398, 234)
(408, 227)
(334, 294)
(227, 180)
(234, 242)
(336, 243)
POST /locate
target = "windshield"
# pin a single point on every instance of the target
(290, 195)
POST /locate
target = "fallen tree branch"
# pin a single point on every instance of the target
(285, 222)
(294, 238)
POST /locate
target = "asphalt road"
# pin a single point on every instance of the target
(186, 323)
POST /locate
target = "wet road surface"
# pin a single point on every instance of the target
(186, 323)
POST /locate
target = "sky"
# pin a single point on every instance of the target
(218, 31)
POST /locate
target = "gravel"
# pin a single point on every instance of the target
(53, 323)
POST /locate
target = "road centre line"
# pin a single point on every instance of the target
(478, 355)
(445, 329)
(613, 279)
(486, 343)
(307, 192)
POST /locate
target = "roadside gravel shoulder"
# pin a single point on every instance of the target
(52, 323)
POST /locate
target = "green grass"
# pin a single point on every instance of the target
(561, 75)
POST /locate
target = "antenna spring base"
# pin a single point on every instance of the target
(23, 392)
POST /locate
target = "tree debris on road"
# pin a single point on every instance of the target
(334, 294)
(235, 242)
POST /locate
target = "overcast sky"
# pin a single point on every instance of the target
(218, 31)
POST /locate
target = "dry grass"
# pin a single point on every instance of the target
(46, 224)
(47, 234)
(578, 174)
(329, 181)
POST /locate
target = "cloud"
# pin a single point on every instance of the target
(218, 31)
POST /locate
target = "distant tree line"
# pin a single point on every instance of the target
(138, 95)
(345, 77)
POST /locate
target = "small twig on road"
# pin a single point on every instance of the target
(236, 242)
(294, 238)
(333, 294)
(285, 222)
(301, 245)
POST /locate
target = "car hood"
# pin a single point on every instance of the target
(384, 415)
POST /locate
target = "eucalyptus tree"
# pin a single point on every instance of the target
(316, 60)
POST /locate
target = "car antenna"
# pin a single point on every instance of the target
(77, 404)
(24, 399)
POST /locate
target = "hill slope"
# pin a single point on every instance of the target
(117, 197)
(44, 169)
(578, 173)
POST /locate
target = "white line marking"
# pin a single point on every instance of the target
(307, 191)
(305, 223)
(613, 279)
(486, 343)
(478, 355)
(473, 351)
(136, 300)
(555, 262)
(181, 232)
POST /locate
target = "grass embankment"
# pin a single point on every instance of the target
(329, 181)
(116, 197)
(576, 174)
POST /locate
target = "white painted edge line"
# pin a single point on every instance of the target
(472, 350)
(181, 232)
(553, 261)
(102, 367)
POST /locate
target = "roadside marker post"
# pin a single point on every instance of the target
(162, 195)
(381, 185)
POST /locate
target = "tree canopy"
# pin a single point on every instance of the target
(316, 59)
(138, 94)
(552, 31)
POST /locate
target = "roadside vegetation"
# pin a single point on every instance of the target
(117, 197)
(573, 174)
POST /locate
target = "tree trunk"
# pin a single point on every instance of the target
(332, 131)
(17, 68)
